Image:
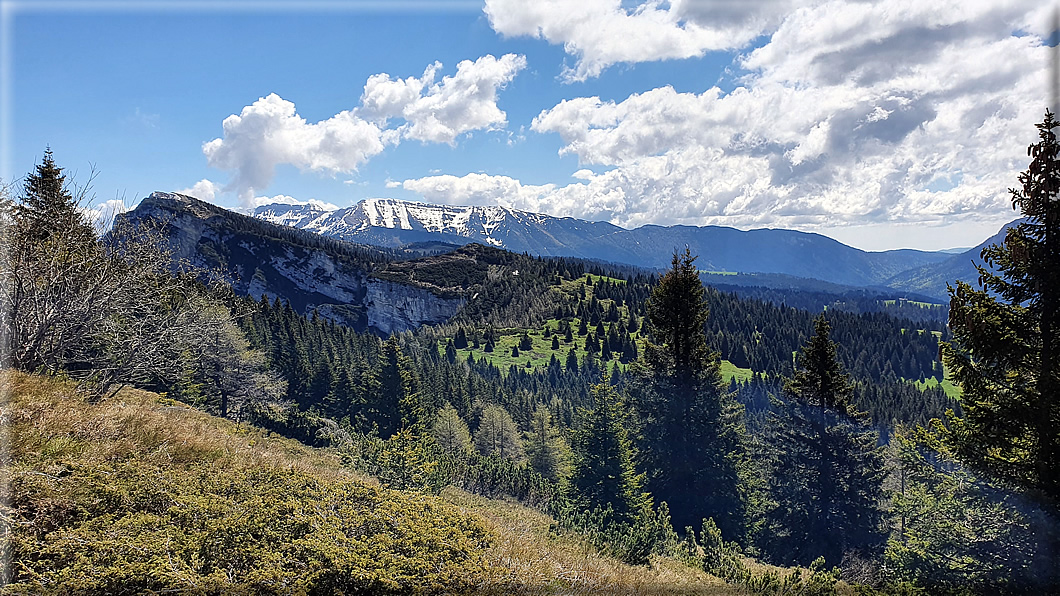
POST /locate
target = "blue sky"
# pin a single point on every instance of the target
(882, 124)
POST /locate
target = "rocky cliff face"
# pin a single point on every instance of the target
(394, 307)
(313, 273)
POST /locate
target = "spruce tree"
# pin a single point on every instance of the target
(823, 468)
(47, 208)
(690, 432)
(400, 403)
(602, 466)
(1005, 347)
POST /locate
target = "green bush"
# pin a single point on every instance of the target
(133, 526)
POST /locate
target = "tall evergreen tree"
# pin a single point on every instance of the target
(602, 467)
(1005, 347)
(47, 208)
(823, 468)
(400, 402)
(690, 431)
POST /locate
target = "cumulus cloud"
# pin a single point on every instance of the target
(480, 189)
(270, 132)
(385, 98)
(289, 200)
(600, 33)
(204, 190)
(850, 112)
(464, 102)
(101, 215)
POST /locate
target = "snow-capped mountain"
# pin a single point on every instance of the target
(393, 223)
(390, 222)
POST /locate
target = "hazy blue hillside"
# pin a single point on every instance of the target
(931, 279)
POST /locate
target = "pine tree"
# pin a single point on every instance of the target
(1005, 347)
(690, 432)
(823, 468)
(602, 466)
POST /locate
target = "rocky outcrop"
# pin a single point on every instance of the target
(313, 273)
(393, 307)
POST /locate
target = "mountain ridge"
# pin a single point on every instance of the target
(312, 272)
(393, 223)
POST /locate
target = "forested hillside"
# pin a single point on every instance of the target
(663, 423)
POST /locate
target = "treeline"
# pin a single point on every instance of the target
(854, 301)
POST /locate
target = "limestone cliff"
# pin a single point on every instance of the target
(393, 307)
(311, 272)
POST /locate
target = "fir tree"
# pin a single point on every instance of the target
(1005, 347)
(47, 208)
(460, 340)
(690, 432)
(572, 360)
(401, 403)
(823, 467)
(602, 468)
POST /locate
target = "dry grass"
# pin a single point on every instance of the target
(46, 418)
(46, 421)
(528, 560)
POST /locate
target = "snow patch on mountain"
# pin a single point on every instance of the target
(476, 223)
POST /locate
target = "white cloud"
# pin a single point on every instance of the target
(101, 215)
(204, 190)
(289, 200)
(600, 33)
(480, 189)
(850, 113)
(463, 102)
(385, 98)
(270, 132)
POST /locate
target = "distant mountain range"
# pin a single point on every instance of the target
(932, 279)
(394, 223)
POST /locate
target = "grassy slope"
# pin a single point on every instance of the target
(139, 493)
(542, 352)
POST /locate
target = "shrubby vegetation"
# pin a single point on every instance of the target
(132, 495)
